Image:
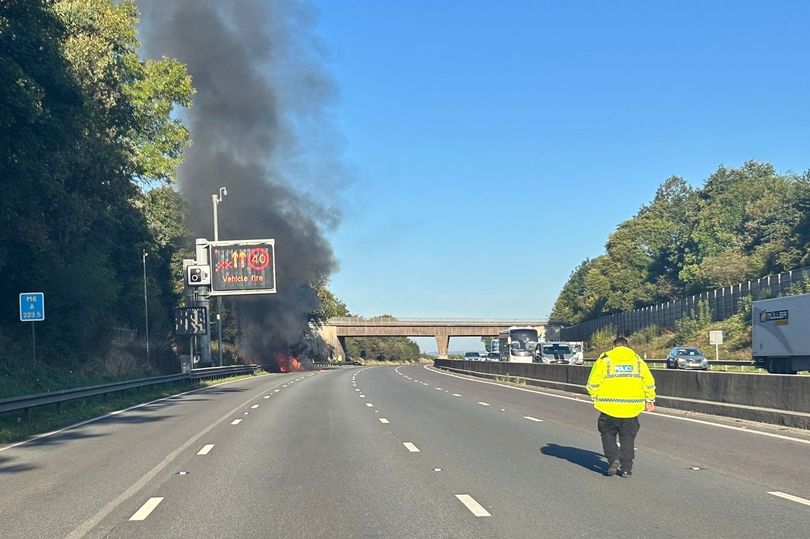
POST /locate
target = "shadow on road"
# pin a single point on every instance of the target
(5, 467)
(587, 459)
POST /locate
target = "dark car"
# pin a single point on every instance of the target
(472, 356)
(683, 357)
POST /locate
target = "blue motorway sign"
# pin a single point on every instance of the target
(32, 306)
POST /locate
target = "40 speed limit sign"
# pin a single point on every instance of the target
(242, 267)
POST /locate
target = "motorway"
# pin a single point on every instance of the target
(399, 452)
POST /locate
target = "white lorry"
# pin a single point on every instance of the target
(780, 334)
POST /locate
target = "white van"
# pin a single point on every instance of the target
(553, 352)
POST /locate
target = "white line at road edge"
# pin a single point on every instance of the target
(205, 449)
(530, 418)
(790, 497)
(474, 507)
(111, 414)
(146, 508)
(410, 447)
(91, 522)
(588, 402)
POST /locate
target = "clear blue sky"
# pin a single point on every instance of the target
(497, 144)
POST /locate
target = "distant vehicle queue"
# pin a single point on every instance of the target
(522, 345)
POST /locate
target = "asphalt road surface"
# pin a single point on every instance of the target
(399, 452)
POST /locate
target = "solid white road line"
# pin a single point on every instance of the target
(384, 420)
(412, 448)
(585, 400)
(369, 404)
(111, 414)
(236, 421)
(474, 507)
(92, 521)
(146, 508)
(530, 418)
(483, 403)
(790, 497)
(205, 449)
(254, 406)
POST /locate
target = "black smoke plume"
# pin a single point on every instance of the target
(260, 126)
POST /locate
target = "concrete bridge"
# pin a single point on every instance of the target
(337, 329)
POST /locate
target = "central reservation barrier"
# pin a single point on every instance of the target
(770, 398)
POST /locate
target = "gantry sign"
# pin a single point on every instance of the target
(242, 267)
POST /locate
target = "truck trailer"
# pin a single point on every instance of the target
(780, 334)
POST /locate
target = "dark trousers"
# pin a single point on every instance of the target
(626, 428)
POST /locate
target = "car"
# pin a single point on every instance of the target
(494, 356)
(685, 357)
(472, 356)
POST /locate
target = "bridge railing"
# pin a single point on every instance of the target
(391, 321)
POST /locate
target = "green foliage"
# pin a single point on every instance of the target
(573, 303)
(330, 305)
(743, 223)
(601, 340)
(694, 323)
(83, 123)
(382, 348)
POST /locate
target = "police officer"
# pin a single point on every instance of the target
(621, 387)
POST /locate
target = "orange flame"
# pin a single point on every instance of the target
(287, 363)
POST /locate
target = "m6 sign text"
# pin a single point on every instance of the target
(242, 267)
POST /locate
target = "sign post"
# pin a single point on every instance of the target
(716, 338)
(32, 309)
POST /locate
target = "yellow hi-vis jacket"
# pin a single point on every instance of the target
(620, 383)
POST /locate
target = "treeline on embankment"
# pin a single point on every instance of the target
(743, 223)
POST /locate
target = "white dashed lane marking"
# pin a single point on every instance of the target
(384, 420)
(369, 404)
(530, 418)
(205, 449)
(456, 394)
(267, 396)
(474, 507)
(146, 508)
(410, 447)
(254, 406)
(483, 403)
(236, 421)
(790, 497)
